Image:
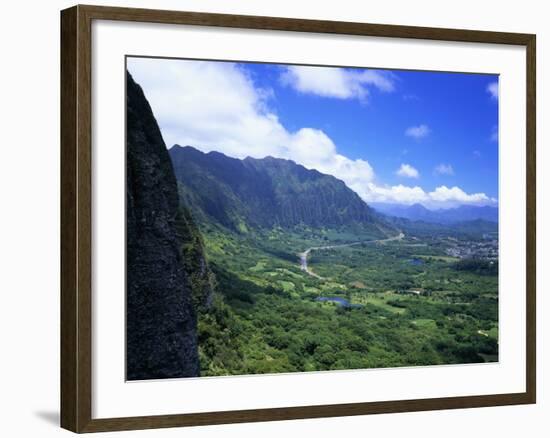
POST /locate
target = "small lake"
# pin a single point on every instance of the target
(337, 300)
(416, 262)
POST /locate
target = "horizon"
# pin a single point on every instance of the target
(393, 137)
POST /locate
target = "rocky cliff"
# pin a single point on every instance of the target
(201, 278)
(160, 318)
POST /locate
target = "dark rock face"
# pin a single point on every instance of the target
(160, 319)
(201, 278)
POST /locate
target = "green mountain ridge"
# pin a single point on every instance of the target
(267, 193)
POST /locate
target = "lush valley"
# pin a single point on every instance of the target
(379, 292)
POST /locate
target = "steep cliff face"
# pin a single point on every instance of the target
(264, 192)
(160, 318)
(201, 279)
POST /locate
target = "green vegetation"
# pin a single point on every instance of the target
(371, 296)
(200, 277)
(411, 303)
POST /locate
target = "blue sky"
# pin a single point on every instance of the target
(392, 136)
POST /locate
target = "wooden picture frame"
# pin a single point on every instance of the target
(76, 218)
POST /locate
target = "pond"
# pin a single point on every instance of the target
(416, 262)
(339, 301)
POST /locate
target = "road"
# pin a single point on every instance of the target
(304, 255)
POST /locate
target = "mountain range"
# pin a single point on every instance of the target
(263, 193)
(417, 212)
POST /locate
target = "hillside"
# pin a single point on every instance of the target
(265, 193)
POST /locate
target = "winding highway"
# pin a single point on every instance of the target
(304, 255)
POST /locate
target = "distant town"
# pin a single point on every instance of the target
(486, 249)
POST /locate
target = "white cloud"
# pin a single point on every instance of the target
(441, 197)
(444, 169)
(418, 132)
(407, 171)
(335, 82)
(444, 194)
(399, 194)
(492, 89)
(216, 106)
(408, 97)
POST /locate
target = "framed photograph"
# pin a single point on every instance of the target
(269, 218)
